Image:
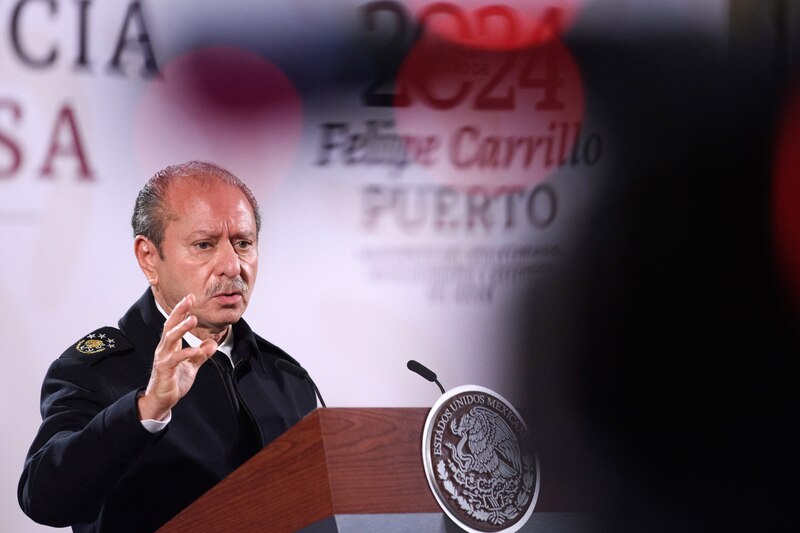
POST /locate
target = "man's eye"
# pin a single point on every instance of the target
(244, 244)
(203, 245)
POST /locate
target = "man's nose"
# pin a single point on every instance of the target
(228, 262)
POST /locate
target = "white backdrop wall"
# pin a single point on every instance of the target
(367, 259)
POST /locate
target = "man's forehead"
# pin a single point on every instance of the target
(195, 184)
(187, 195)
(205, 229)
(183, 189)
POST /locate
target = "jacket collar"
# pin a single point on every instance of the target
(246, 347)
(142, 325)
(143, 322)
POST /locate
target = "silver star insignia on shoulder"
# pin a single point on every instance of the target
(93, 344)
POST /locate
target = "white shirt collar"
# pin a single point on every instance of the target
(225, 347)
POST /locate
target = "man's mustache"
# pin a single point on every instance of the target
(236, 284)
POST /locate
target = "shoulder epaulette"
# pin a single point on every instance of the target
(99, 344)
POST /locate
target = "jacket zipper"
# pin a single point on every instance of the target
(246, 409)
(235, 398)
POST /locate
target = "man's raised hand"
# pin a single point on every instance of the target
(174, 367)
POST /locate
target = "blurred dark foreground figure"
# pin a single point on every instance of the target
(662, 361)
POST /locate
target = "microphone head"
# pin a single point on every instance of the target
(286, 366)
(422, 370)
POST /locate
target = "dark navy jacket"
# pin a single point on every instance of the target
(93, 466)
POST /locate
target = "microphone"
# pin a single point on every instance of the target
(299, 372)
(424, 371)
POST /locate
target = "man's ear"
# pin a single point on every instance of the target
(147, 255)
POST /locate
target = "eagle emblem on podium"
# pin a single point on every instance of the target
(478, 462)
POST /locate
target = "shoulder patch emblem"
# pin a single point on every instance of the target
(95, 343)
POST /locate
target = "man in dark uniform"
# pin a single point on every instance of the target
(140, 420)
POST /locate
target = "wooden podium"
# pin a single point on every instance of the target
(333, 462)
